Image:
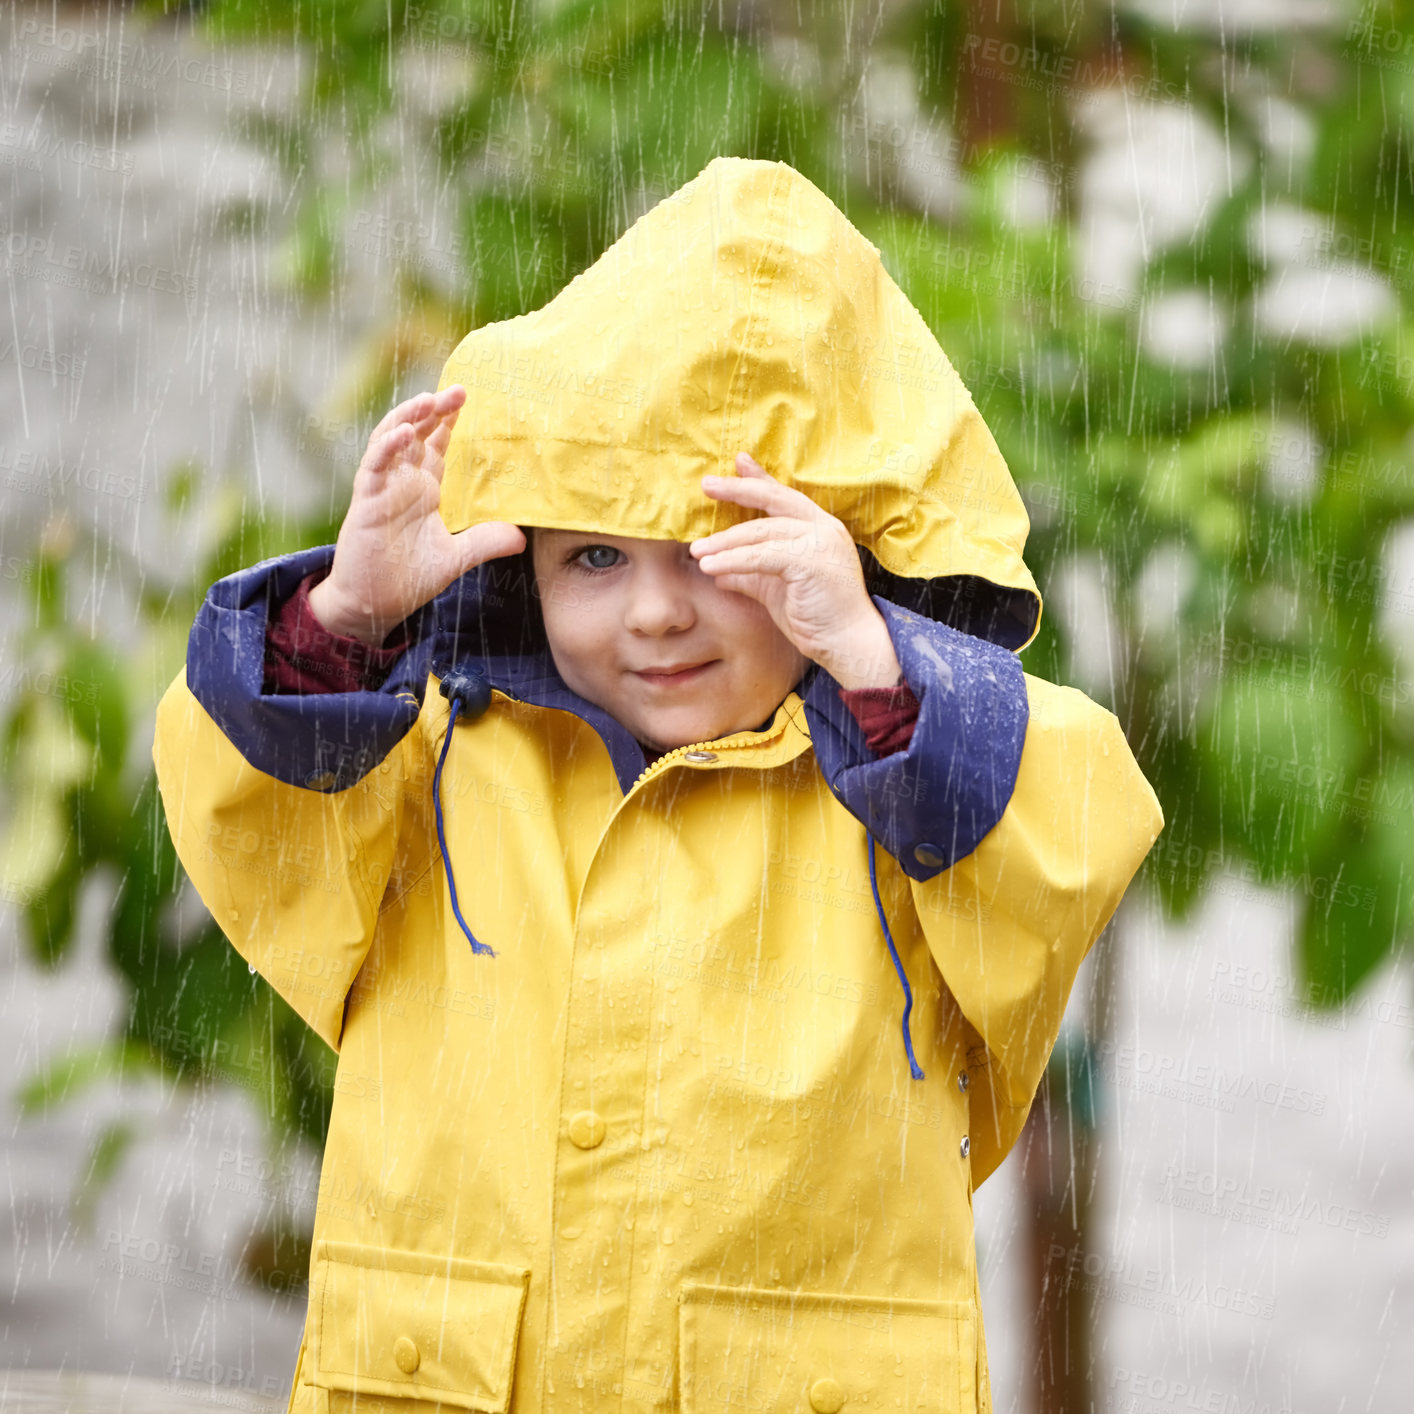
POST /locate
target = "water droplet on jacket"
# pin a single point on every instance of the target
(252, 969)
(687, 1198)
(667, 1237)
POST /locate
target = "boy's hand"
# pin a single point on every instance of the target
(394, 553)
(800, 563)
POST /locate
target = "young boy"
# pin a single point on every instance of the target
(696, 946)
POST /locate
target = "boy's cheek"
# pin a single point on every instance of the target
(562, 594)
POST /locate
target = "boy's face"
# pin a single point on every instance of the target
(636, 628)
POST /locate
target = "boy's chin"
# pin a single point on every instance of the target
(663, 736)
(670, 736)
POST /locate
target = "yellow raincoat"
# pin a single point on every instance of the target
(663, 1150)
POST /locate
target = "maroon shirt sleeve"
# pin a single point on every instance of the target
(886, 715)
(302, 656)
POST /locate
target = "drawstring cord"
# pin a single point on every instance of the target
(441, 834)
(913, 1065)
(452, 690)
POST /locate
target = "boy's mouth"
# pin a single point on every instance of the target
(673, 674)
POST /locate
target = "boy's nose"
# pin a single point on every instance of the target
(661, 600)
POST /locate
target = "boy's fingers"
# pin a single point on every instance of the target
(748, 584)
(433, 432)
(412, 409)
(749, 532)
(446, 404)
(769, 557)
(441, 435)
(383, 447)
(762, 492)
(422, 410)
(488, 541)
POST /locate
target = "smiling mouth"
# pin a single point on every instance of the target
(686, 672)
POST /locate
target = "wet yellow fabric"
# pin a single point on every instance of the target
(743, 313)
(662, 1152)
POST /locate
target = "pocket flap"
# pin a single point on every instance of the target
(794, 1352)
(414, 1326)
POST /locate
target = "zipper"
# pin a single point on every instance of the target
(668, 758)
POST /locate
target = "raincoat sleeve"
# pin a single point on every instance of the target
(1019, 815)
(291, 814)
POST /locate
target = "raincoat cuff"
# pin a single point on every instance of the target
(324, 742)
(934, 802)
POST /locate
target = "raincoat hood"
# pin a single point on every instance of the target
(745, 313)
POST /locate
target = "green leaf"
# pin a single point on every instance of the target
(96, 695)
(105, 1157)
(78, 1070)
(1359, 898)
(1285, 758)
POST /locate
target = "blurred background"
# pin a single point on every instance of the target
(1169, 245)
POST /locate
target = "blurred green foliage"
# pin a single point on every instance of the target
(1249, 666)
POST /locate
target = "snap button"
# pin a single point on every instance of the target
(826, 1396)
(406, 1354)
(962, 1081)
(587, 1130)
(965, 1147)
(699, 756)
(928, 855)
(320, 780)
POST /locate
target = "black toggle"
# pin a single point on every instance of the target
(469, 690)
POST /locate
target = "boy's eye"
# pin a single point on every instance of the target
(597, 557)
